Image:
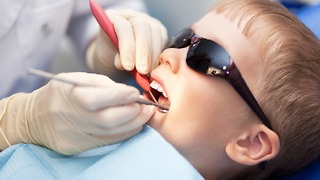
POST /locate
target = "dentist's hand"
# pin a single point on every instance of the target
(70, 119)
(141, 40)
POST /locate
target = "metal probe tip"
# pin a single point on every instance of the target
(160, 107)
(147, 102)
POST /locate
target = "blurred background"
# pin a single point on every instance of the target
(174, 14)
(177, 14)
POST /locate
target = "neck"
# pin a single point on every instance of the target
(222, 168)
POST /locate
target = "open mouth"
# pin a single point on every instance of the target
(159, 93)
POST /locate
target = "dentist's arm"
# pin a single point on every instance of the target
(70, 119)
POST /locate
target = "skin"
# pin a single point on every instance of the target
(206, 113)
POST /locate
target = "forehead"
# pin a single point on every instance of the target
(228, 34)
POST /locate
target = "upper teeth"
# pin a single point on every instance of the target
(158, 87)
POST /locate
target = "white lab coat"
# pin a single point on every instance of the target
(31, 30)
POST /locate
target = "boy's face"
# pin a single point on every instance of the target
(205, 112)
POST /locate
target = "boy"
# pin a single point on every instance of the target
(278, 58)
(228, 129)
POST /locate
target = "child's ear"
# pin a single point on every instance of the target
(254, 146)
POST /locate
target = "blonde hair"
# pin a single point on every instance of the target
(290, 92)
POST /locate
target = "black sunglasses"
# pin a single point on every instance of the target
(208, 57)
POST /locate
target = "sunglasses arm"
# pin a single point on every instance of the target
(240, 85)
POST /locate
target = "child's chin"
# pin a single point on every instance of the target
(157, 119)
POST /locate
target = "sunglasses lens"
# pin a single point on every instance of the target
(205, 54)
(182, 39)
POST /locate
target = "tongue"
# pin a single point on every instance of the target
(164, 101)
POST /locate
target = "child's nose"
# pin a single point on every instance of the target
(174, 57)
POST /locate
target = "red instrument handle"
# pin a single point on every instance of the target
(108, 28)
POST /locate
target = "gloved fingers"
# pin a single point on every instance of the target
(150, 42)
(159, 41)
(112, 117)
(143, 34)
(98, 91)
(126, 40)
(96, 98)
(106, 47)
(88, 79)
(117, 62)
(156, 47)
(150, 38)
(119, 120)
(142, 118)
(100, 54)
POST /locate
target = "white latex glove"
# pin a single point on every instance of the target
(70, 119)
(141, 40)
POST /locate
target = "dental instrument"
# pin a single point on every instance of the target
(50, 76)
(108, 28)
